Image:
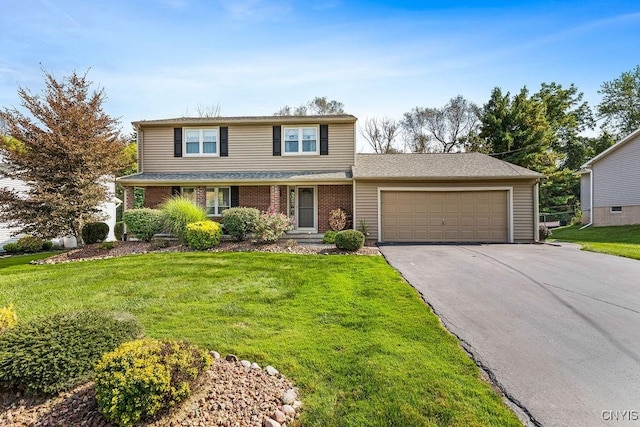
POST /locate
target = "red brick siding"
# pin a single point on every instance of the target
(128, 198)
(331, 197)
(154, 196)
(201, 196)
(254, 197)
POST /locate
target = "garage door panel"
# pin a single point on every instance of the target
(468, 216)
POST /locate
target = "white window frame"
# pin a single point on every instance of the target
(216, 206)
(195, 193)
(617, 211)
(300, 133)
(200, 152)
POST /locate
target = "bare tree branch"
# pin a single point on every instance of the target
(381, 134)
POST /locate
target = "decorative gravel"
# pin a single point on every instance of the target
(231, 395)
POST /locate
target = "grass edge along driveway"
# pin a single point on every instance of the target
(359, 342)
(623, 240)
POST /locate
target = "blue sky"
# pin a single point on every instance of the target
(161, 58)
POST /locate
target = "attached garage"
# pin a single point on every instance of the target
(445, 198)
(444, 216)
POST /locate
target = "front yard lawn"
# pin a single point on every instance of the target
(359, 342)
(10, 261)
(619, 240)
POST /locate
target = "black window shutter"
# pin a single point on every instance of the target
(177, 142)
(175, 191)
(324, 140)
(277, 131)
(235, 196)
(224, 141)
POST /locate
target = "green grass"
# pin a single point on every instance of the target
(359, 342)
(24, 259)
(620, 240)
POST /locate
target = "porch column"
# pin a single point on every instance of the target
(128, 199)
(201, 197)
(274, 198)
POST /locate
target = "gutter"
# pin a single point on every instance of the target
(590, 200)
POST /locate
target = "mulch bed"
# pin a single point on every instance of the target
(96, 251)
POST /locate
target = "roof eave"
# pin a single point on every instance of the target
(448, 178)
(589, 163)
(337, 118)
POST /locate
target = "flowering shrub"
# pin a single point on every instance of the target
(203, 235)
(238, 222)
(337, 219)
(8, 318)
(271, 226)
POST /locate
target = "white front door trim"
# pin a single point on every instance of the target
(434, 189)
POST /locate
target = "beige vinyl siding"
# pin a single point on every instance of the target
(616, 177)
(366, 203)
(250, 149)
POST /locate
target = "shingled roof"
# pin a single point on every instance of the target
(229, 177)
(437, 166)
(271, 120)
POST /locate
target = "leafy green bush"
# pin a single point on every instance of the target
(238, 222)
(47, 245)
(57, 352)
(349, 240)
(107, 246)
(142, 377)
(178, 212)
(30, 244)
(8, 318)
(144, 223)
(94, 232)
(11, 248)
(329, 237)
(118, 230)
(203, 235)
(271, 226)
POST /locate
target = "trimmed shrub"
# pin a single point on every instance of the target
(8, 318)
(329, 237)
(57, 352)
(118, 230)
(94, 232)
(203, 235)
(178, 212)
(337, 219)
(11, 248)
(144, 223)
(238, 222)
(544, 232)
(142, 377)
(47, 245)
(349, 240)
(271, 226)
(30, 244)
(107, 246)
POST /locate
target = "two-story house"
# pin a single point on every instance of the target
(306, 166)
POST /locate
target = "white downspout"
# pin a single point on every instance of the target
(590, 201)
(536, 208)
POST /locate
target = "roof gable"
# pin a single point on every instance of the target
(632, 136)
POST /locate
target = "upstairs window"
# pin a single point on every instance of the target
(302, 140)
(200, 142)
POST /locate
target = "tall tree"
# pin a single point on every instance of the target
(318, 106)
(620, 106)
(68, 144)
(381, 134)
(447, 129)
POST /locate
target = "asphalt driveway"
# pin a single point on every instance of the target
(557, 328)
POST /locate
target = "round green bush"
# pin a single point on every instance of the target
(142, 377)
(238, 222)
(11, 248)
(47, 245)
(144, 223)
(203, 235)
(57, 352)
(329, 237)
(94, 232)
(349, 240)
(30, 244)
(118, 230)
(178, 212)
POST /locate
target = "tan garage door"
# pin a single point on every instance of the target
(444, 216)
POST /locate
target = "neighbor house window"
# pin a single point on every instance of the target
(189, 193)
(302, 140)
(218, 199)
(201, 142)
(616, 208)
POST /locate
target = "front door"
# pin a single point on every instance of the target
(306, 207)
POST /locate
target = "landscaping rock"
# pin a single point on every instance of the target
(289, 396)
(271, 370)
(288, 410)
(215, 355)
(245, 363)
(231, 358)
(279, 416)
(268, 422)
(297, 405)
(255, 366)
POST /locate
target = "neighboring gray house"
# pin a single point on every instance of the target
(610, 184)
